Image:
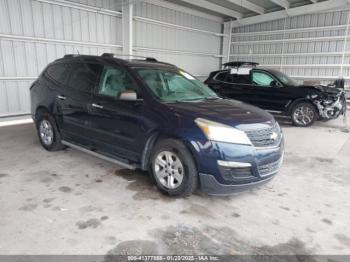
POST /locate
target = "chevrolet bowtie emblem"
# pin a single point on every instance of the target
(274, 136)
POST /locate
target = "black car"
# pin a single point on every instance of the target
(149, 115)
(276, 92)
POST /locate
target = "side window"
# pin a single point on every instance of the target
(238, 79)
(113, 81)
(262, 79)
(58, 72)
(84, 77)
(221, 76)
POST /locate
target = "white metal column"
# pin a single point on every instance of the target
(227, 41)
(127, 21)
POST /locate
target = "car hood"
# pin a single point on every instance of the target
(322, 89)
(225, 111)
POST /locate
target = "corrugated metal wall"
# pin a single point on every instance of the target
(191, 42)
(33, 33)
(307, 47)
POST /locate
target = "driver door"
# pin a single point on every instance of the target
(116, 126)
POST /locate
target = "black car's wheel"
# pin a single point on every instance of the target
(173, 168)
(303, 114)
(48, 133)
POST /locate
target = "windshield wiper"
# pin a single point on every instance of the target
(212, 98)
(195, 99)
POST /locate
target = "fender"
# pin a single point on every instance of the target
(151, 141)
(299, 100)
(146, 153)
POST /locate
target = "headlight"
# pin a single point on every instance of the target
(222, 133)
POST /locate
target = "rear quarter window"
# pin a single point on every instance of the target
(58, 72)
(84, 76)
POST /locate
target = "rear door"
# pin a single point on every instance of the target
(74, 100)
(239, 87)
(116, 126)
(234, 86)
(56, 78)
(269, 93)
(217, 83)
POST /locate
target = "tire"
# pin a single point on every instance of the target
(303, 114)
(43, 120)
(182, 165)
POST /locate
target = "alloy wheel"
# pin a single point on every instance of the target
(169, 169)
(303, 115)
(46, 132)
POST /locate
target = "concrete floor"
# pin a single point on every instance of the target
(71, 203)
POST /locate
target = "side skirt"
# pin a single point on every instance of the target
(101, 156)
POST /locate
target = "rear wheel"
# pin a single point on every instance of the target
(173, 168)
(303, 114)
(48, 133)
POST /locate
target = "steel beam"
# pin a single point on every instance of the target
(81, 6)
(248, 5)
(32, 39)
(171, 25)
(304, 39)
(171, 51)
(283, 3)
(184, 9)
(295, 11)
(214, 8)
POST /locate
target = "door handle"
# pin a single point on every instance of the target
(97, 106)
(61, 97)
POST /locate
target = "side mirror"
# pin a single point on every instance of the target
(128, 95)
(274, 83)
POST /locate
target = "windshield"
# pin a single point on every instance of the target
(286, 80)
(175, 86)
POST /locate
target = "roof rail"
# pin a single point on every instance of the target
(238, 64)
(150, 59)
(70, 55)
(107, 55)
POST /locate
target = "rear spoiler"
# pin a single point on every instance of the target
(239, 64)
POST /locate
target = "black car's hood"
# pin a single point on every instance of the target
(226, 111)
(322, 89)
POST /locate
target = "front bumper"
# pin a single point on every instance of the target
(226, 169)
(332, 110)
(211, 186)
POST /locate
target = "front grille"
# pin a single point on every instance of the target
(265, 136)
(270, 168)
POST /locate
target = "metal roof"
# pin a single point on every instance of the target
(244, 12)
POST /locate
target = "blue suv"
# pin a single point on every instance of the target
(148, 115)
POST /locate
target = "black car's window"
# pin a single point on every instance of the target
(286, 80)
(262, 79)
(58, 72)
(221, 76)
(238, 79)
(84, 76)
(113, 81)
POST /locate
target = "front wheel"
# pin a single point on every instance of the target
(303, 114)
(173, 168)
